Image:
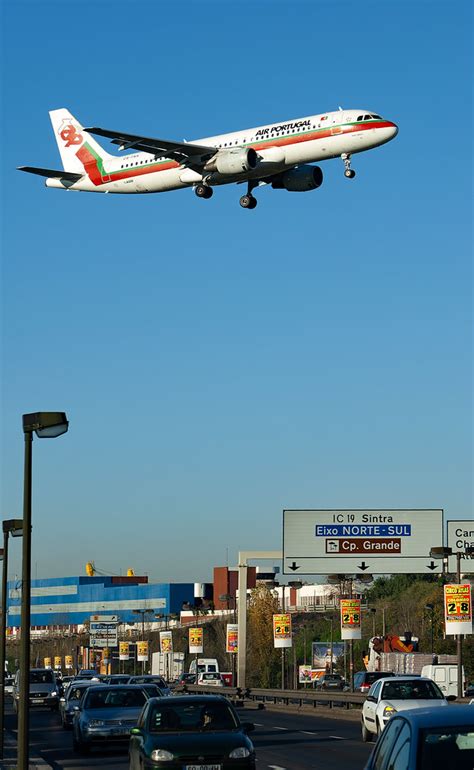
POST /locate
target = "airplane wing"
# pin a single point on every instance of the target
(51, 174)
(183, 152)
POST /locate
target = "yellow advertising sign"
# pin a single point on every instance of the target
(68, 661)
(195, 640)
(124, 651)
(166, 641)
(282, 630)
(142, 651)
(350, 619)
(57, 661)
(458, 608)
(47, 662)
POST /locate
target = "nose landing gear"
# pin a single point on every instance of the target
(349, 173)
(248, 201)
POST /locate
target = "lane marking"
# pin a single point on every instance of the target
(307, 732)
(281, 728)
(257, 724)
(337, 737)
(277, 767)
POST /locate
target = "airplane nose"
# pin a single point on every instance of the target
(393, 129)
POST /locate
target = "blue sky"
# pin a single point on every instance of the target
(218, 365)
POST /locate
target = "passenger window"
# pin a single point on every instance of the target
(385, 744)
(401, 750)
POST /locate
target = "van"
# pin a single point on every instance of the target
(44, 689)
(204, 666)
(445, 676)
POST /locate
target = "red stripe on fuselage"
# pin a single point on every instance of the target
(92, 170)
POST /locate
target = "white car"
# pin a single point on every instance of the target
(388, 696)
(210, 678)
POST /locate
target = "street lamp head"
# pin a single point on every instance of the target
(14, 527)
(45, 424)
(296, 584)
(441, 552)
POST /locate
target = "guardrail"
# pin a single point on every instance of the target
(290, 698)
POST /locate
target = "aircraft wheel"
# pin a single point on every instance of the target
(203, 191)
(349, 173)
(248, 202)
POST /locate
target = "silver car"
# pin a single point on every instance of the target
(105, 716)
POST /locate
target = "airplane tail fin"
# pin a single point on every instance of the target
(75, 145)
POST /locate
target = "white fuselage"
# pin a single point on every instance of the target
(280, 146)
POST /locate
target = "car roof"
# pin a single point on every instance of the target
(405, 678)
(109, 687)
(456, 715)
(199, 699)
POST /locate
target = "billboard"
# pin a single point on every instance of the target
(195, 640)
(321, 654)
(458, 609)
(124, 651)
(142, 651)
(350, 619)
(232, 638)
(166, 641)
(282, 630)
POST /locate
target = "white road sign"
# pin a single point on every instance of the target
(322, 542)
(103, 633)
(460, 537)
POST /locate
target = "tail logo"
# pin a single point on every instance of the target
(70, 136)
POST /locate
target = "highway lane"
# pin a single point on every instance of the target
(291, 741)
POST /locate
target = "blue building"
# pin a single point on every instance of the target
(70, 601)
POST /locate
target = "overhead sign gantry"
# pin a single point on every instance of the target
(321, 542)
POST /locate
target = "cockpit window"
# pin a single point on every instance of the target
(377, 117)
(367, 117)
(361, 117)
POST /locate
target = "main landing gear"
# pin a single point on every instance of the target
(248, 201)
(203, 191)
(349, 173)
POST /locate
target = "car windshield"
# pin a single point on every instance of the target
(415, 689)
(191, 717)
(447, 747)
(41, 677)
(114, 698)
(74, 692)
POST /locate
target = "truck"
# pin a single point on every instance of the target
(204, 666)
(169, 665)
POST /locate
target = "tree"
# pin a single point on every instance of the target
(263, 660)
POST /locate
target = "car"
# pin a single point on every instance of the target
(44, 689)
(399, 693)
(9, 681)
(426, 739)
(363, 680)
(191, 731)
(71, 699)
(151, 679)
(469, 691)
(105, 715)
(186, 678)
(116, 679)
(330, 682)
(210, 679)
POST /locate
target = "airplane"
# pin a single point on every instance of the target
(278, 154)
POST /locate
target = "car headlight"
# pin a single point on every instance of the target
(161, 755)
(388, 712)
(239, 753)
(54, 694)
(96, 723)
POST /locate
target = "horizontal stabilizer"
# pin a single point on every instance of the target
(68, 176)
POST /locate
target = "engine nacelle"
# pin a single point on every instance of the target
(299, 179)
(235, 161)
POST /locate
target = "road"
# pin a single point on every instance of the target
(282, 740)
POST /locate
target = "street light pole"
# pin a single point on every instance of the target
(430, 607)
(45, 425)
(13, 527)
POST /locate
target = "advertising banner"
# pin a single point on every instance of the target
(282, 630)
(142, 651)
(321, 657)
(350, 619)
(458, 608)
(68, 661)
(308, 675)
(106, 656)
(47, 662)
(57, 661)
(166, 641)
(232, 638)
(195, 641)
(124, 651)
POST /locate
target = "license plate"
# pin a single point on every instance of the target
(37, 700)
(202, 767)
(120, 731)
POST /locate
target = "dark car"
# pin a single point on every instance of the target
(116, 679)
(363, 680)
(426, 739)
(43, 686)
(151, 679)
(191, 731)
(186, 678)
(330, 682)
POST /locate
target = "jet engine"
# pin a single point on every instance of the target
(299, 179)
(233, 161)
